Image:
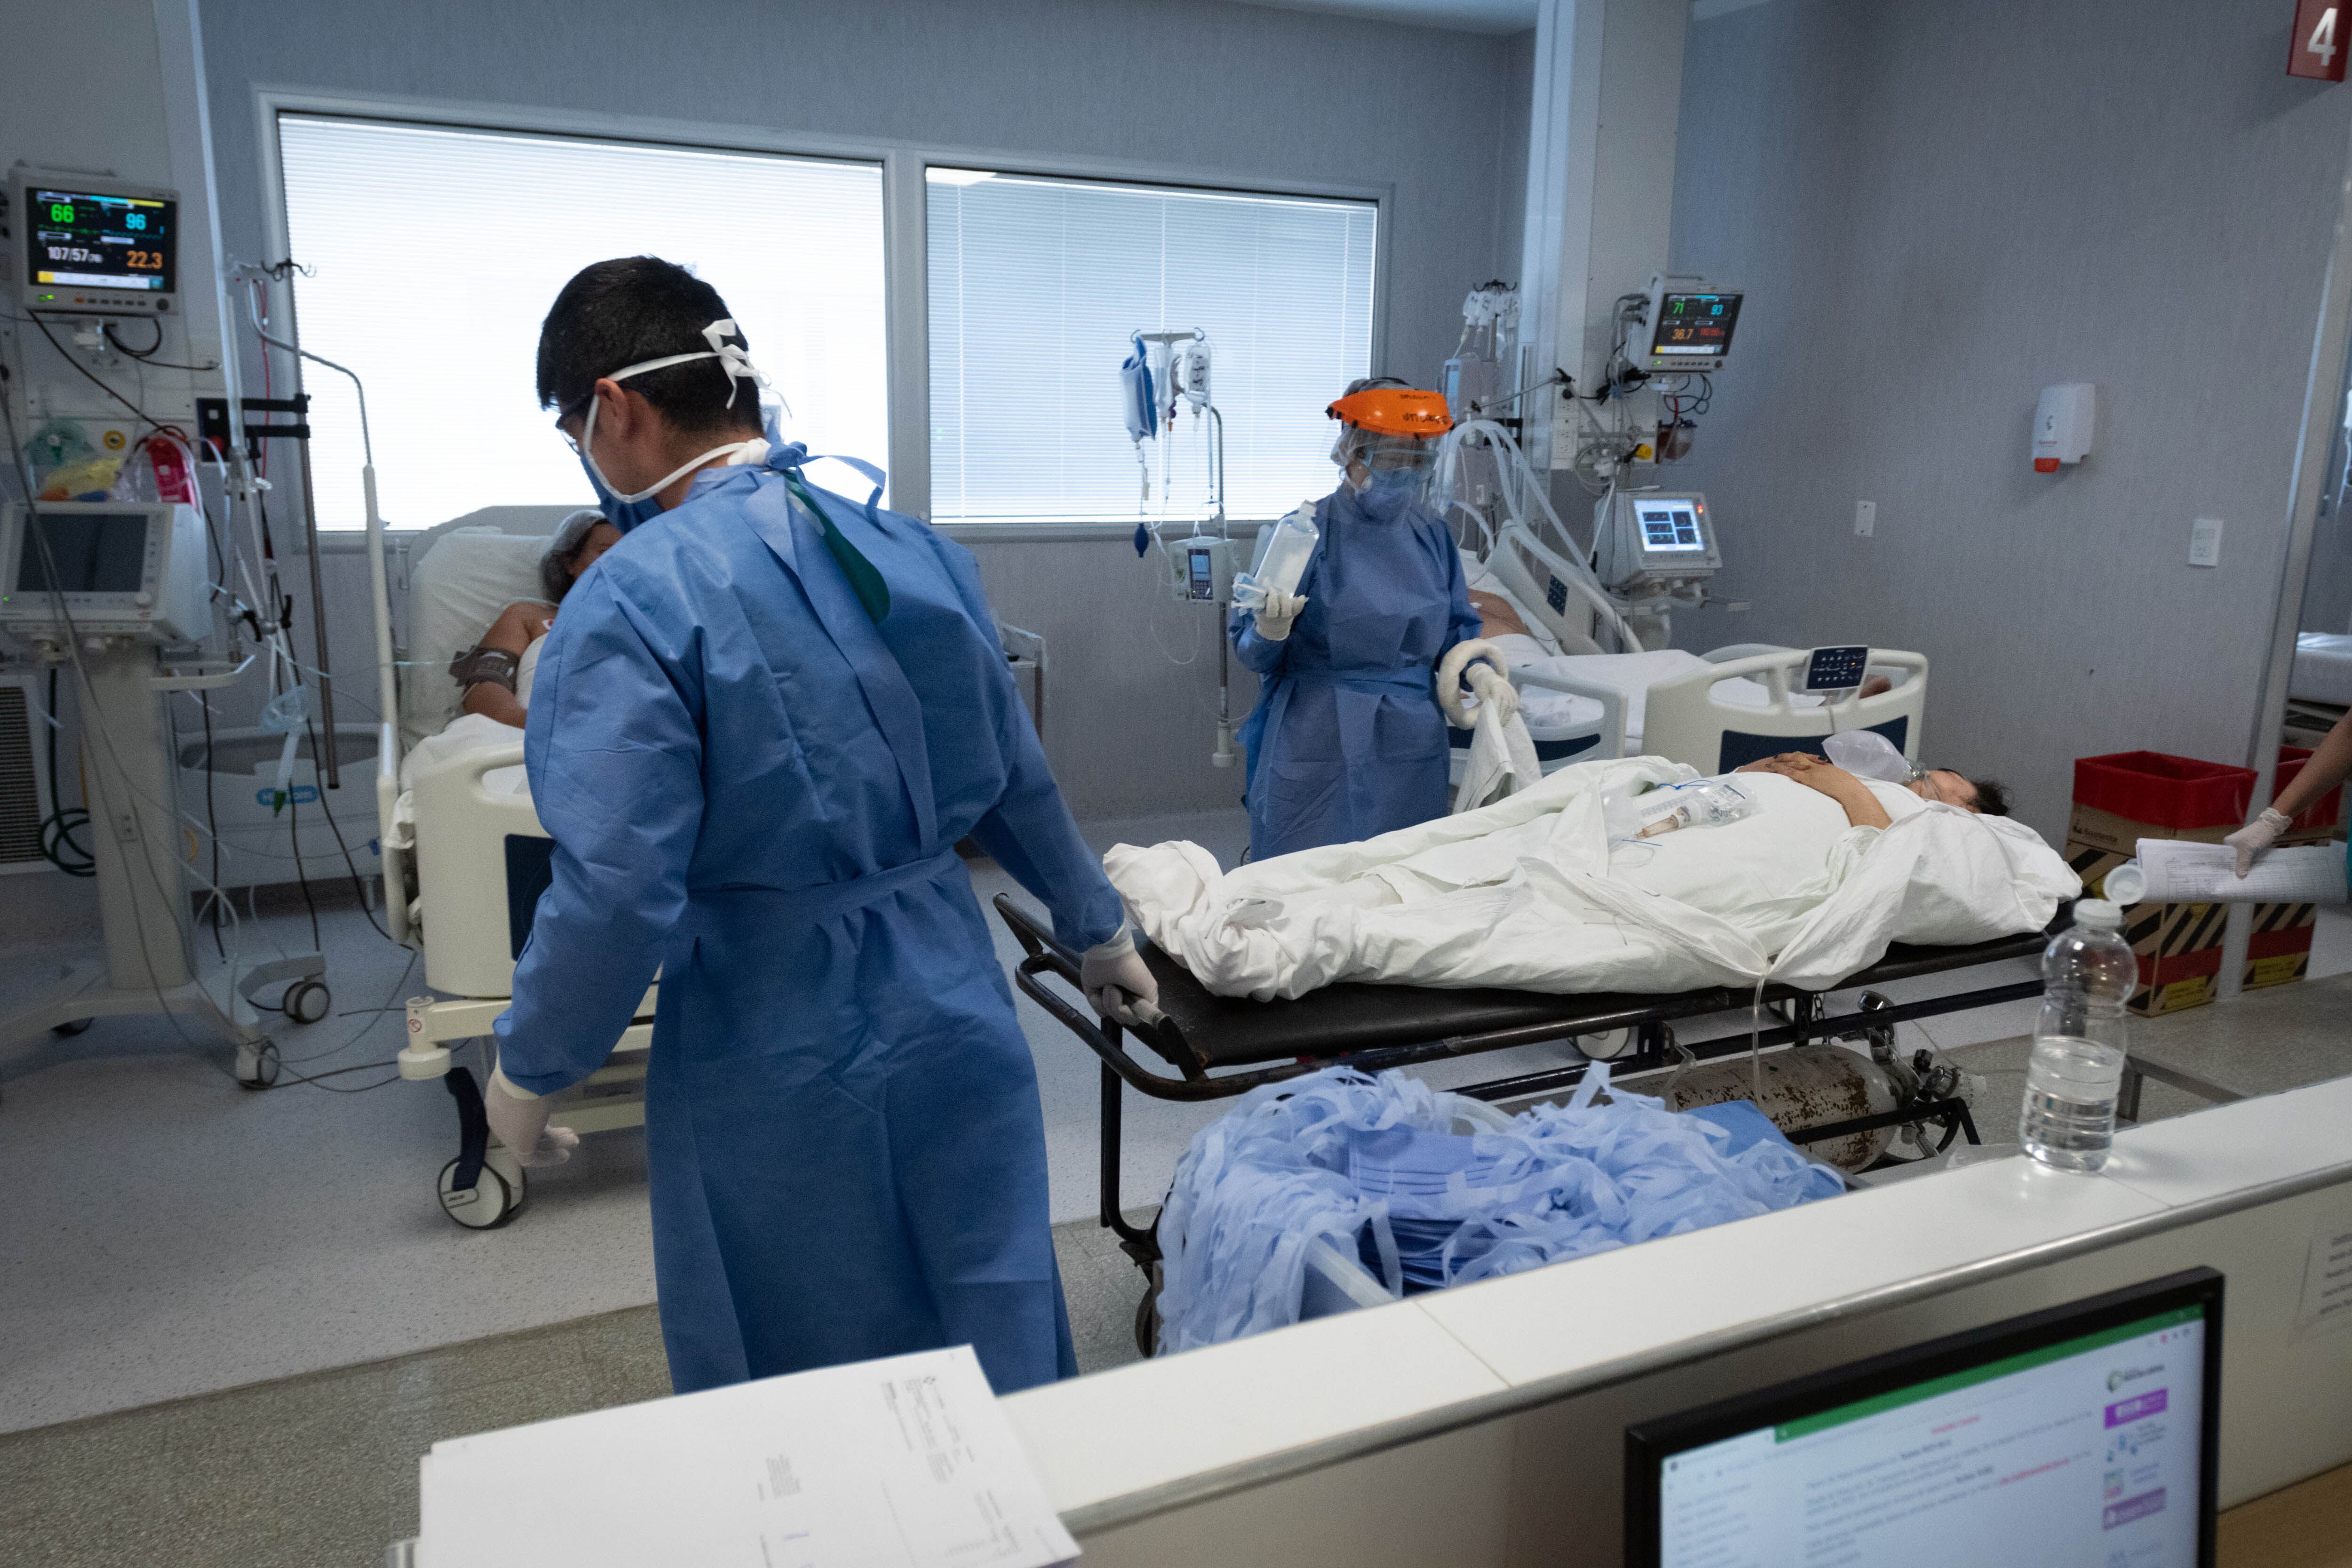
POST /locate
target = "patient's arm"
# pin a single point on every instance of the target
(1862, 808)
(512, 633)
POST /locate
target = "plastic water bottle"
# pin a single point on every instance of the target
(2087, 973)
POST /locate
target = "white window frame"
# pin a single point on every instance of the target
(906, 316)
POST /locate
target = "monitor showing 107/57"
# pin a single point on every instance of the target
(81, 240)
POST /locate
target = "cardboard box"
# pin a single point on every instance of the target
(2131, 795)
(2279, 950)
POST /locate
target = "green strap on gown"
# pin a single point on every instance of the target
(864, 581)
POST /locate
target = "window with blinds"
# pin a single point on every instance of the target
(432, 253)
(1036, 286)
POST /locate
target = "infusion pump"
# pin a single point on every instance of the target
(104, 569)
(1645, 538)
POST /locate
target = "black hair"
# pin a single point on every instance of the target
(1992, 796)
(614, 314)
(557, 569)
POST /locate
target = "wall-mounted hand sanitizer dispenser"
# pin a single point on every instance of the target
(2062, 425)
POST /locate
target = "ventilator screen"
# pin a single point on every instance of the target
(91, 552)
(1671, 526)
(2081, 1435)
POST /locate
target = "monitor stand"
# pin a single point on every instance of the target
(144, 902)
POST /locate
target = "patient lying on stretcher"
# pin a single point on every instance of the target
(1567, 888)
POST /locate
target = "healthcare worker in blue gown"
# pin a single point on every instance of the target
(760, 727)
(1348, 739)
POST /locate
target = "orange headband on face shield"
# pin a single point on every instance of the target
(1394, 411)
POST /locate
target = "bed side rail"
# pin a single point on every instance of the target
(1611, 700)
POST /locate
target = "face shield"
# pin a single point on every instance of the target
(1393, 470)
(1388, 445)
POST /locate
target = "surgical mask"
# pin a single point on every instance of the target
(738, 366)
(1387, 494)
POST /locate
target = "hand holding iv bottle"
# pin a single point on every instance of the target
(1282, 562)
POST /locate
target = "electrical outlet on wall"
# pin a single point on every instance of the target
(2205, 542)
(1866, 518)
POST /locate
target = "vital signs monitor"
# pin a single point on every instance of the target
(91, 247)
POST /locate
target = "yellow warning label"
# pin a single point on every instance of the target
(2276, 971)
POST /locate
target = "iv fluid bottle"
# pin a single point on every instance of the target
(2087, 973)
(1285, 560)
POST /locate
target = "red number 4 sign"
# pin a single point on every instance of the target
(2317, 48)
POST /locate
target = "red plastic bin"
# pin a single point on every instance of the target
(2324, 812)
(2179, 792)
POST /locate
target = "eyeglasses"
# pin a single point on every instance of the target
(573, 412)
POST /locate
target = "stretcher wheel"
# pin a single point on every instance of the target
(306, 1001)
(70, 1027)
(256, 1065)
(1147, 1316)
(492, 1202)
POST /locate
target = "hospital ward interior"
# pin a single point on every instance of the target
(1354, 783)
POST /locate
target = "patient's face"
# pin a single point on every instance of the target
(1944, 785)
(601, 538)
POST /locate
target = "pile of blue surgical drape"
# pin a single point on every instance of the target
(1431, 1189)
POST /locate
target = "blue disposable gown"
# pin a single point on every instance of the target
(1347, 739)
(754, 786)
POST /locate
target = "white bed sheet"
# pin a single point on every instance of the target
(1527, 893)
(2323, 667)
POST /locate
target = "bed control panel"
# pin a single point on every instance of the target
(1840, 669)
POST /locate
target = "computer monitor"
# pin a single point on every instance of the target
(2082, 1435)
(105, 568)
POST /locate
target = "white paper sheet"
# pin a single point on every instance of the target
(2327, 1277)
(2177, 869)
(905, 1462)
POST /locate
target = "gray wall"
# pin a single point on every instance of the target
(1267, 94)
(1940, 207)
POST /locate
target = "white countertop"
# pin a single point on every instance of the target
(1127, 1443)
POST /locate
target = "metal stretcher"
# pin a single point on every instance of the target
(1220, 1046)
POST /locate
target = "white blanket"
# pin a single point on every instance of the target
(1528, 894)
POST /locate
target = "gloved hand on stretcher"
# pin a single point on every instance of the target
(1481, 664)
(1116, 980)
(520, 1119)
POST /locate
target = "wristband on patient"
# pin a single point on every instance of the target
(478, 664)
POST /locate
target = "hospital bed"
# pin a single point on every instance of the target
(1213, 1047)
(465, 857)
(2319, 690)
(1670, 702)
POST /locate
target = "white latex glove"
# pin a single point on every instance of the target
(1495, 690)
(1450, 667)
(2257, 836)
(1275, 616)
(1116, 980)
(520, 1119)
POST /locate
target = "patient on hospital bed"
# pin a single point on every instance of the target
(496, 673)
(1805, 882)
